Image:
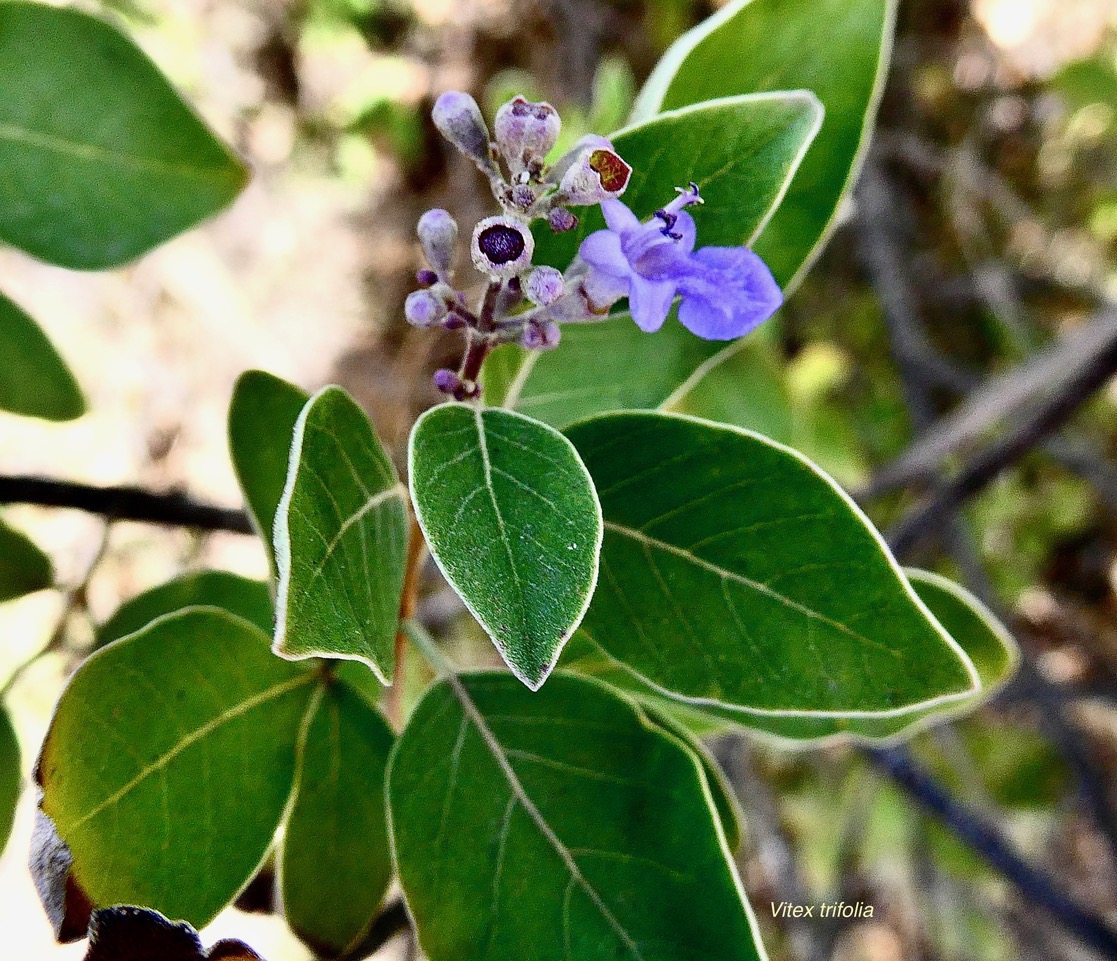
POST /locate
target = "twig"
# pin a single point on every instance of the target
(409, 601)
(124, 503)
(988, 465)
(988, 841)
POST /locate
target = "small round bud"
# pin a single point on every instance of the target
(523, 196)
(453, 321)
(598, 173)
(459, 120)
(424, 309)
(502, 247)
(526, 132)
(447, 381)
(544, 286)
(438, 233)
(541, 336)
(428, 278)
(562, 220)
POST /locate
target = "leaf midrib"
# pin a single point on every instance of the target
(187, 741)
(520, 794)
(649, 542)
(84, 151)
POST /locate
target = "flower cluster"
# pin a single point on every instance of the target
(724, 291)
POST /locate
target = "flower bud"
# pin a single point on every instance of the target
(596, 174)
(526, 132)
(459, 120)
(502, 247)
(438, 233)
(428, 278)
(541, 335)
(562, 220)
(447, 380)
(544, 286)
(523, 196)
(424, 309)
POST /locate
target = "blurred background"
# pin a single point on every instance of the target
(986, 231)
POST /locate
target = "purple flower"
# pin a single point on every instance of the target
(726, 291)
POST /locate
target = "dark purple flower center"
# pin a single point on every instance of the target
(501, 244)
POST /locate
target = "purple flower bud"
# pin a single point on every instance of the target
(446, 381)
(428, 278)
(562, 220)
(526, 132)
(502, 247)
(523, 196)
(454, 321)
(597, 173)
(438, 233)
(544, 286)
(541, 335)
(459, 120)
(424, 309)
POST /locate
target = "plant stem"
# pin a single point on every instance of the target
(125, 503)
(409, 601)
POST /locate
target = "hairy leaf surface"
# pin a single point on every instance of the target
(340, 539)
(512, 520)
(262, 416)
(166, 769)
(242, 596)
(562, 823)
(335, 864)
(735, 573)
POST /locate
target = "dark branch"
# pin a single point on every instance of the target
(124, 503)
(986, 466)
(987, 841)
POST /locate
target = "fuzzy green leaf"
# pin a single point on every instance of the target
(838, 49)
(262, 416)
(34, 379)
(340, 539)
(335, 864)
(166, 770)
(563, 823)
(242, 596)
(512, 520)
(735, 573)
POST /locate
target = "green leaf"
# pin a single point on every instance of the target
(11, 779)
(102, 160)
(340, 540)
(984, 639)
(336, 864)
(742, 152)
(23, 567)
(512, 520)
(262, 417)
(563, 823)
(166, 770)
(34, 379)
(838, 49)
(725, 804)
(246, 598)
(734, 573)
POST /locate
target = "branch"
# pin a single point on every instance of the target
(124, 503)
(987, 841)
(1047, 417)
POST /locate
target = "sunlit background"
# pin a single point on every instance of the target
(305, 275)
